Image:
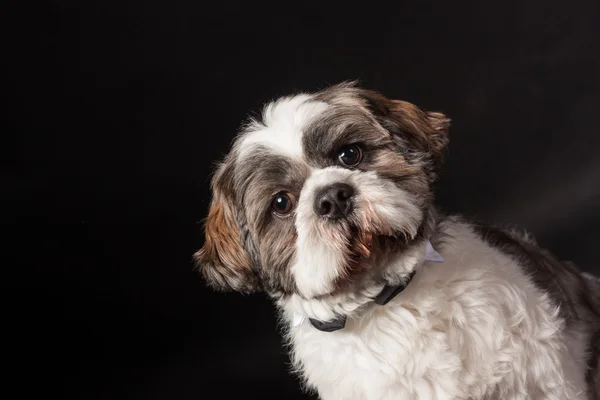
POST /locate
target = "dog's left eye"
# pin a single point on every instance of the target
(350, 156)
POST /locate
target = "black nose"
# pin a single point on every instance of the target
(334, 201)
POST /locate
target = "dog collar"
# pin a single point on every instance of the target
(384, 297)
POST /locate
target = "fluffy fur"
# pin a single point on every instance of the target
(500, 318)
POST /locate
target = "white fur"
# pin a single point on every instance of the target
(380, 206)
(473, 327)
(282, 126)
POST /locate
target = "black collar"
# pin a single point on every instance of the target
(384, 297)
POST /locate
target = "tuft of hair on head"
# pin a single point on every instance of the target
(425, 131)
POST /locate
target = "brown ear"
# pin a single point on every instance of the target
(425, 131)
(222, 260)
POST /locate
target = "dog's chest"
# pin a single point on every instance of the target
(390, 353)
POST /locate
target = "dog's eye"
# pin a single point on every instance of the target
(350, 156)
(282, 203)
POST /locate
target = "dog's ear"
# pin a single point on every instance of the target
(425, 131)
(222, 260)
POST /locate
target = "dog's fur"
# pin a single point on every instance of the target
(500, 318)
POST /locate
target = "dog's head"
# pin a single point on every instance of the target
(322, 187)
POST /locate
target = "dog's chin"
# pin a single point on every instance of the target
(342, 255)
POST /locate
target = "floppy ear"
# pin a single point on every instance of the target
(222, 260)
(425, 131)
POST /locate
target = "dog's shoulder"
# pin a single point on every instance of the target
(577, 293)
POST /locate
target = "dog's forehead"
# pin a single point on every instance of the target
(283, 125)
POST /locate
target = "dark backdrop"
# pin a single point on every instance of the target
(119, 109)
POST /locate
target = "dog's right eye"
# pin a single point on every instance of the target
(282, 203)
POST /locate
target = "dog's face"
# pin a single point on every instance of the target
(320, 190)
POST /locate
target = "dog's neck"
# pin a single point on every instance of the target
(329, 313)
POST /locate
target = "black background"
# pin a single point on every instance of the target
(118, 109)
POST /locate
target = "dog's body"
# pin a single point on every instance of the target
(473, 327)
(326, 205)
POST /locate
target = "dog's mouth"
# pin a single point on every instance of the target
(367, 245)
(367, 249)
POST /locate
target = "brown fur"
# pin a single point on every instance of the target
(223, 261)
(428, 131)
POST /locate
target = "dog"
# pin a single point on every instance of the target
(325, 203)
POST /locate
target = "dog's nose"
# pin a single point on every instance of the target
(334, 201)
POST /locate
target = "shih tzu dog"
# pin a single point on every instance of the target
(325, 203)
